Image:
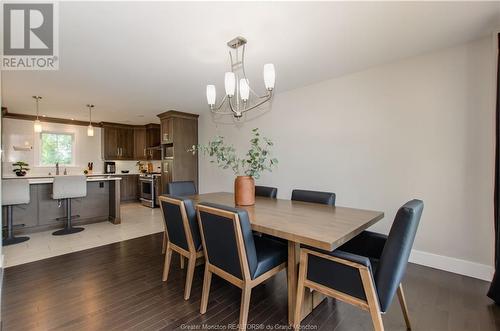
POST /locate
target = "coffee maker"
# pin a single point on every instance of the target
(109, 167)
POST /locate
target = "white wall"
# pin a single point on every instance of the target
(419, 128)
(20, 132)
(88, 149)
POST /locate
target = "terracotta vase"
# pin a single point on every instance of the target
(244, 191)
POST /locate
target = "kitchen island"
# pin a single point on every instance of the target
(102, 203)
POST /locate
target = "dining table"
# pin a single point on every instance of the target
(316, 225)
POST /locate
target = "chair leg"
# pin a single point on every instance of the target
(404, 308)
(182, 261)
(300, 292)
(207, 280)
(189, 276)
(164, 244)
(246, 292)
(372, 299)
(166, 265)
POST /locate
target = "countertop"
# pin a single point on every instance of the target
(48, 180)
(30, 176)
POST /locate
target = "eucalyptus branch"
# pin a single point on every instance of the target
(257, 159)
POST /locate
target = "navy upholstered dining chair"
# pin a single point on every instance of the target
(266, 191)
(180, 189)
(233, 253)
(183, 237)
(366, 271)
(326, 198)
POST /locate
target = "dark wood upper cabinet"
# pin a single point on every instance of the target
(130, 142)
(109, 142)
(140, 147)
(153, 141)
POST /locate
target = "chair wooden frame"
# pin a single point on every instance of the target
(371, 304)
(246, 283)
(192, 255)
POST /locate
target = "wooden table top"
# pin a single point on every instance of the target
(312, 224)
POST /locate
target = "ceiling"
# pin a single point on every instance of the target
(134, 60)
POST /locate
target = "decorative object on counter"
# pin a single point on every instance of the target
(150, 167)
(90, 168)
(125, 171)
(85, 172)
(140, 165)
(37, 126)
(237, 85)
(90, 128)
(257, 159)
(65, 172)
(22, 168)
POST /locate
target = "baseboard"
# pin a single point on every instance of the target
(451, 264)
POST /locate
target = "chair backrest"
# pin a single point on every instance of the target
(396, 252)
(181, 223)
(228, 239)
(181, 188)
(15, 192)
(266, 191)
(68, 187)
(326, 198)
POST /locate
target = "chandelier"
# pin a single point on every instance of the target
(240, 97)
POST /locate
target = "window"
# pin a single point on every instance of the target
(56, 147)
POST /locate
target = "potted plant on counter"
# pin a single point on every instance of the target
(256, 160)
(21, 169)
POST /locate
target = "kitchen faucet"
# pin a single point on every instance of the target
(57, 168)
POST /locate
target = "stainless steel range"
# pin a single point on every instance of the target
(149, 186)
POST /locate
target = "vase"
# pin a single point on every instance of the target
(21, 173)
(244, 191)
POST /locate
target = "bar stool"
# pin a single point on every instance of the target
(14, 192)
(67, 188)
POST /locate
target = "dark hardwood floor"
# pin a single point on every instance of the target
(119, 287)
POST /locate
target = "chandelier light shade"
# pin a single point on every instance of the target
(37, 126)
(229, 83)
(211, 94)
(269, 76)
(90, 128)
(240, 97)
(244, 89)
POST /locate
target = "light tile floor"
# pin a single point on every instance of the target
(137, 221)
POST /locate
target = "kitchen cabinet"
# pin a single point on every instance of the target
(167, 131)
(145, 139)
(153, 139)
(110, 143)
(128, 187)
(179, 133)
(126, 143)
(140, 146)
(117, 142)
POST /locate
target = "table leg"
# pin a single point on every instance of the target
(311, 298)
(292, 277)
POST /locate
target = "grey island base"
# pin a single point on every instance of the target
(102, 203)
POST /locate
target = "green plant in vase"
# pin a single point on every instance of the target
(21, 169)
(257, 160)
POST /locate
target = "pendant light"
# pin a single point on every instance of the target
(37, 125)
(90, 128)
